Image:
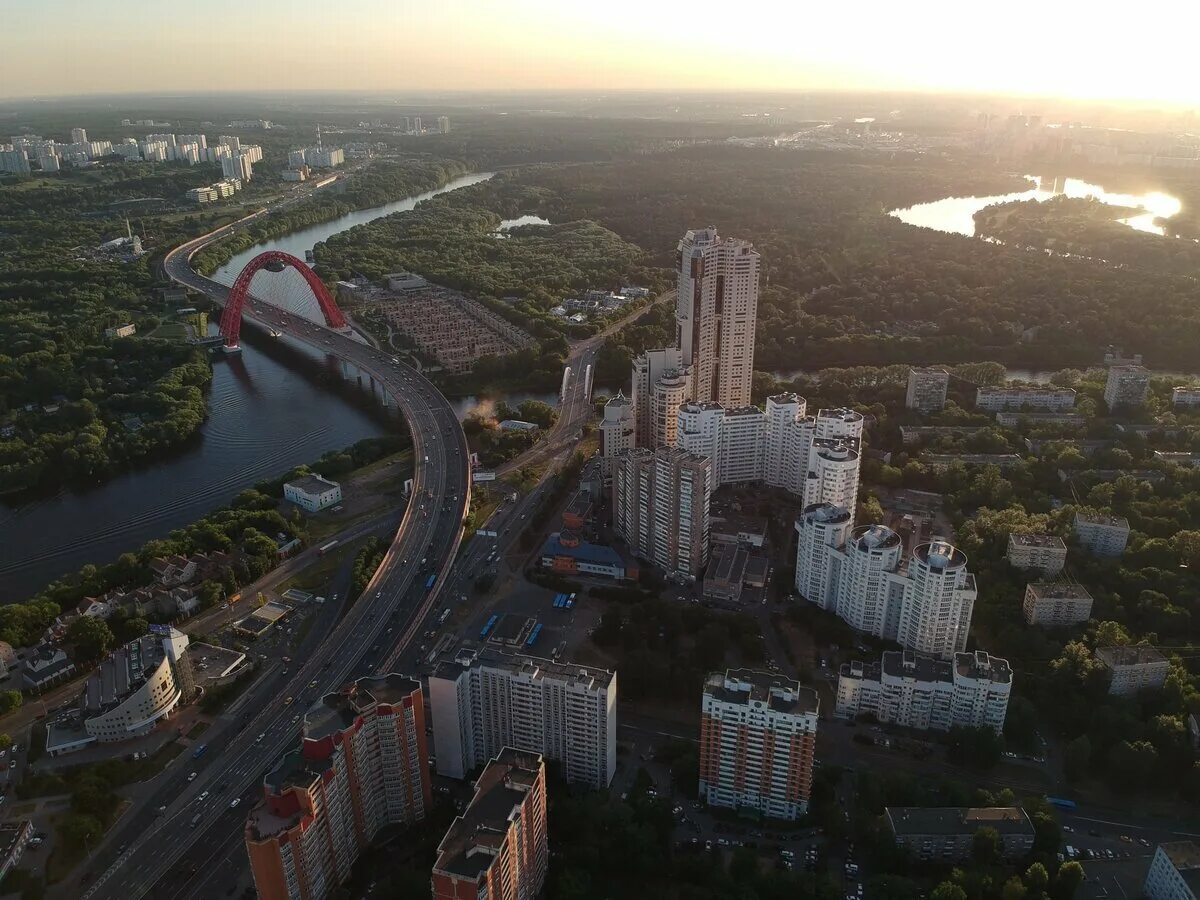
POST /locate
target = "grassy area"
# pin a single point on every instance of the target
(483, 504)
(196, 730)
(170, 331)
(321, 572)
(320, 529)
(22, 809)
(302, 630)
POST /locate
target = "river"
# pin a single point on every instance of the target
(955, 215)
(268, 412)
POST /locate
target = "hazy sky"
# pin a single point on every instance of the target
(1047, 47)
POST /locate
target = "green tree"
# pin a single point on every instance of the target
(10, 700)
(79, 829)
(1013, 889)
(986, 848)
(91, 637)
(1077, 758)
(1068, 880)
(1036, 879)
(948, 890)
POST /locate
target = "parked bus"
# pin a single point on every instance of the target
(325, 548)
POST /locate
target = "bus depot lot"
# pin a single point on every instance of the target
(522, 608)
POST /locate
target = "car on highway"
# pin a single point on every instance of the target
(192, 777)
(233, 804)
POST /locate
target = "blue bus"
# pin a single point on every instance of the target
(486, 630)
(199, 751)
(1060, 802)
(429, 582)
(533, 635)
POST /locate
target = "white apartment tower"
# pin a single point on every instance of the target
(715, 315)
(821, 529)
(870, 596)
(938, 602)
(483, 702)
(647, 370)
(618, 430)
(924, 603)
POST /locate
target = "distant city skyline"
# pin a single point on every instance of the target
(1066, 49)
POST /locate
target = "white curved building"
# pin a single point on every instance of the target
(832, 478)
(938, 603)
(838, 424)
(136, 686)
(871, 592)
(821, 531)
(666, 396)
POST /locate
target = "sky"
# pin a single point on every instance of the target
(1059, 48)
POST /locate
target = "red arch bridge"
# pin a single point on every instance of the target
(274, 261)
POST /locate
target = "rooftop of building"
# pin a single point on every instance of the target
(738, 411)
(782, 694)
(582, 551)
(874, 537)
(1129, 655)
(1185, 857)
(907, 664)
(122, 672)
(1097, 518)
(295, 770)
(1049, 541)
(929, 370)
(619, 400)
(952, 820)
(10, 834)
(337, 710)
(695, 406)
(1023, 389)
(840, 412)
(580, 505)
(1058, 590)
(785, 398)
(1129, 370)
(727, 525)
(940, 555)
(312, 484)
(727, 563)
(474, 838)
(981, 664)
(825, 513)
(452, 666)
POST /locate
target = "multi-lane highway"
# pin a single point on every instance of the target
(389, 614)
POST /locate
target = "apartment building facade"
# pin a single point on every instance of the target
(716, 313)
(1045, 553)
(498, 848)
(483, 702)
(927, 389)
(925, 693)
(660, 505)
(998, 399)
(362, 764)
(758, 733)
(1101, 534)
(1056, 604)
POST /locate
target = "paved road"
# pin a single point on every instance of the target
(392, 609)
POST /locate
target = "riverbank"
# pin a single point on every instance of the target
(383, 182)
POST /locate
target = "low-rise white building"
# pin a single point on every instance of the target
(1174, 872)
(1101, 534)
(996, 399)
(920, 692)
(1185, 397)
(1133, 669)
(312, 492)
(1055, 604)
(137, 685)
(1045, 553)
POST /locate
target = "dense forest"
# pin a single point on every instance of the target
(845, 284)
(383, 182)
(452, 240)
(1087, 227)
